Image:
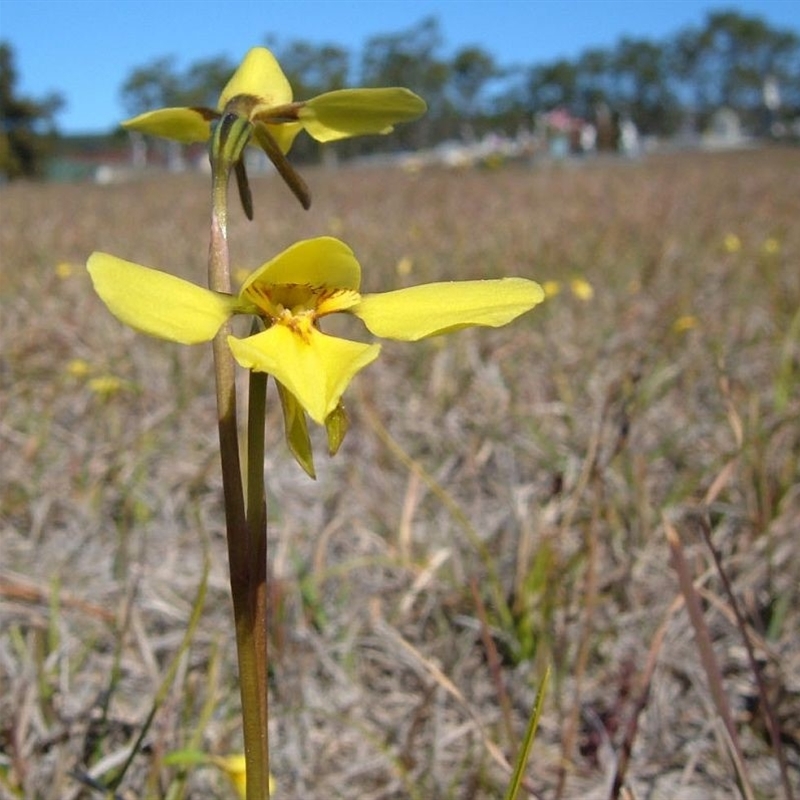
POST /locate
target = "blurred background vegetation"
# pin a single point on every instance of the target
(665, 88)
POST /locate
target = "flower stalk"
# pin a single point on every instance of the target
(288, 299)
(245, 515)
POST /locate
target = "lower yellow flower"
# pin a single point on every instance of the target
(290, 295)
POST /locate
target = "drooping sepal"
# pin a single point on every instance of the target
(337, 423)
(295, 428)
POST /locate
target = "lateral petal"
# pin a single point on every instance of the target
(430, 309)
(355, 112)
(157, 303)
(185, 125)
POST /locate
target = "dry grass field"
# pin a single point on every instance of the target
(541, 495)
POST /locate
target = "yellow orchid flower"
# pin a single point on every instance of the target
(260, 93)
(290, 295)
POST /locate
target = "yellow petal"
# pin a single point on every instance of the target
(314, 367)
(284, 135)
(323, 261)
(158, 303)
(259, 75)
(355, 112)
(185, 125)
(295, 429)
(433, 308)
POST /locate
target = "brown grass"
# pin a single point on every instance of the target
(538, 463)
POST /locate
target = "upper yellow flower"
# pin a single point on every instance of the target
(260, 92)
(290, 295)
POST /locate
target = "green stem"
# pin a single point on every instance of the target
(246, 572)
(257, 527)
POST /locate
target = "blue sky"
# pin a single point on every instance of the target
(85, 49)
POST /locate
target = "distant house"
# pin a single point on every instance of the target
(724, 131)
(79, 158)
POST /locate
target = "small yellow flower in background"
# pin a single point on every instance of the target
(290, 295)
(404, 267)
(685, 323)
(105, 385)
(78, 368)
(335, 225)
(771, 246)
(732, 243)
(64, 270)
(551, 288)
(581, 289)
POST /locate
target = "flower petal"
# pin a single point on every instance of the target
(314, 367)
(355, 112)
(157, 303)
(284, 135)
(259, 75)
(185, 125)
(323, 261)
(433, 308)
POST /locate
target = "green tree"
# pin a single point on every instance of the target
(643, 85)
(202, 81)
(472, 69)
(728, 60)
(154, 85)
(313, 69)
(595, 79)
(160, 84)
(27, 130)
(553, 85)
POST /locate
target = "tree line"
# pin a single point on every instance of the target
(730, 60)
(27, 127)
